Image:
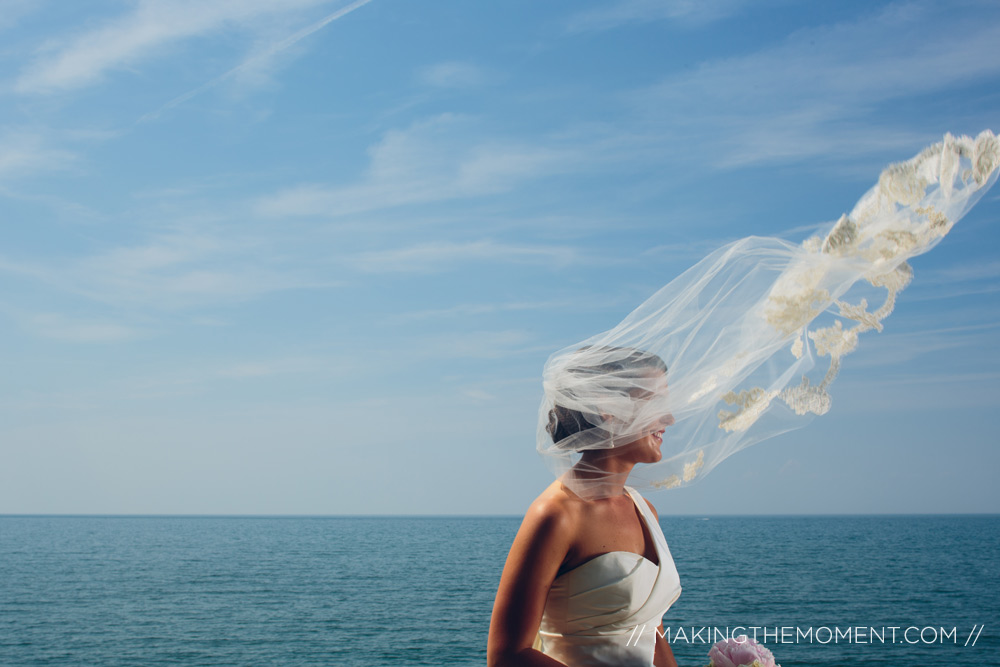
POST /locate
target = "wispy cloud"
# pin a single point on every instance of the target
(429, 257)
(171, 379)
(476, 344)
(214, 280)
(452, 75)
(931, 393)
(574, 303)
(24, 269)
(23, 152)
(146, 32)
(272, 367)
(472, 309)
(195, 378)
(176, 270)
(12, 11)
(63, 328)
(897, 349)
(427, 162)
(815, 94)
(622, 12)
(967, 272)
(477, 394)
(259, 60)
(956, 281)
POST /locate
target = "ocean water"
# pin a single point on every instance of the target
(419, 591)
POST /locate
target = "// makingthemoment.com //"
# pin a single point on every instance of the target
(824, 634)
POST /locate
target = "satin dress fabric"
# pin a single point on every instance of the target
(606, 611)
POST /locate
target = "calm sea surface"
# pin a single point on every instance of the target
(418, 591)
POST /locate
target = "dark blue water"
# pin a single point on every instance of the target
(418, 591)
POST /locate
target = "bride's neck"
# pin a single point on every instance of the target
(597, 468)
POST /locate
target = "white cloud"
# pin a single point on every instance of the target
(478, 394)
(427, 162)
(272, 367)
(22, 269)
(176, 270)
(183, 286)
(61, 327)
(956, 281)
(23, 152)
(256, 66)
(475, 345)
(967, 272)
(195, 378)
(12, 11)
(473, 309)
(815, 94)
(452, 75)
(933, 393)
(143, 33)
(890, 349)
(693, 12)
(162, 253)
(427, 257)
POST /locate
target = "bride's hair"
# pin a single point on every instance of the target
(618, 363)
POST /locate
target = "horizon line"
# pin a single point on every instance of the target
(56, 515)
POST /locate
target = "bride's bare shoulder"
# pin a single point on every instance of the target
(556, 508)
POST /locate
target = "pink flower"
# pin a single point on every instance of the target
(740, 652)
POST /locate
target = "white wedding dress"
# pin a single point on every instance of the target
(606, 611)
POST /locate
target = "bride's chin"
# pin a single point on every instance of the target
(655, 455)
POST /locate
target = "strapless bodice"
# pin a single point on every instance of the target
(594, 614)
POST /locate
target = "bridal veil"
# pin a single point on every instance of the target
(745, 344)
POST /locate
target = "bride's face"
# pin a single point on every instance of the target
(652, 399)
(647, 448)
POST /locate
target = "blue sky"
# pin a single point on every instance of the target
(309, 257)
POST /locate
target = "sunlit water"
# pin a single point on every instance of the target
(418, 591)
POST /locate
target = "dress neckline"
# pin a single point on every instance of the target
(644, 519)
(598, 557)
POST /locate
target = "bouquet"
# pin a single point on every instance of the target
(740, 652)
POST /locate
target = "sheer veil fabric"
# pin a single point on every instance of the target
(754, 334)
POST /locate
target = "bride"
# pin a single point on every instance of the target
(589, 575)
